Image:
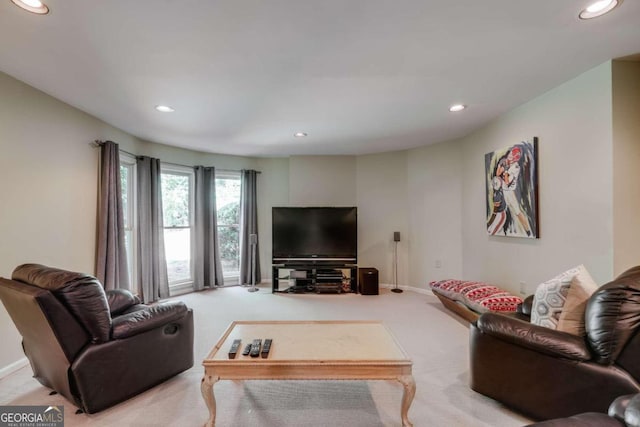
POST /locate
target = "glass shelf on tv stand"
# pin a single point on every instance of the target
(312, 282)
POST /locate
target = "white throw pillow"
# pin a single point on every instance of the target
(560, 303)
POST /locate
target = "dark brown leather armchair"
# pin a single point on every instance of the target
(96, 348)
(545, 374)
(623, 412)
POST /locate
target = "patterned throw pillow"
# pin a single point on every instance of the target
(549, 300)
(477, 296)
(560, 303)
(449, 288)
(499, 302)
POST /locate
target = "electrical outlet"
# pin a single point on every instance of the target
(523, 288)
(438, 263)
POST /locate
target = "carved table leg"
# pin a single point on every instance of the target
(407, 397)
(206, 387)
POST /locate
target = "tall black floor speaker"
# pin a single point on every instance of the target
(368, 281)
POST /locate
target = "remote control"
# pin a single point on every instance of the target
(246, 350)
(234, 349)
(265, 348)
(255, 348)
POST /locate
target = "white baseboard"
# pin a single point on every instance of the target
(181, 289)
(10, 369)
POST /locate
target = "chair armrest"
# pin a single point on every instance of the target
(119, 300)
(151, 317)
(534, 337)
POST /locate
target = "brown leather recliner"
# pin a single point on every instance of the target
(544, 373)
(623, 412)
(96, 348)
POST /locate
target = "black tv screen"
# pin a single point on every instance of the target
(315, 233)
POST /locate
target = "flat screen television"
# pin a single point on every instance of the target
(315, 234)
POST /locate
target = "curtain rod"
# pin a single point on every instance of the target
(98, 143)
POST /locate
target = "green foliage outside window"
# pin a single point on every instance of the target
(124, 178)
(228, 235)
(175, 200)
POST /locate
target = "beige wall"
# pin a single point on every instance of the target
(273, 190)
(188, 157)
(574, 125)
(435, 213)
(381, 186)
(447, 197)
(48, 187)
(626, 158)
(377, 185)
(322, 181)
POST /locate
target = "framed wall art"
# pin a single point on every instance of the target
(511, 175)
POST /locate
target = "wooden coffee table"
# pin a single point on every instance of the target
(310, 350)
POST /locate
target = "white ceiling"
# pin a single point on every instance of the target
(359, 76)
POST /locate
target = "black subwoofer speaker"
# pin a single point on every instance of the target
(368, 281)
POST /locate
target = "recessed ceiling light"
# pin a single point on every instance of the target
(33, 6)
(457, 107)
(299, 134)
(164, 109)
(599, 8)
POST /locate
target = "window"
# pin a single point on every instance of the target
(177, 203)
(228, 212)
(128, 183)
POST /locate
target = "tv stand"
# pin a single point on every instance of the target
(314, 273)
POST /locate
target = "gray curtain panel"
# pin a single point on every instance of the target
(207, 264)
(248, 226)
(152, 265)
(111, 253)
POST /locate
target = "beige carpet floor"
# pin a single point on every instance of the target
(435, 339)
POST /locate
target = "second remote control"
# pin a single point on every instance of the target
(247, 350)
(255, 348)
(265, 348)
(234, 349)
